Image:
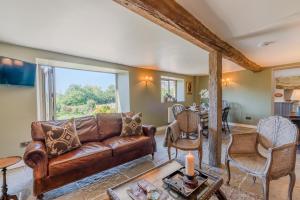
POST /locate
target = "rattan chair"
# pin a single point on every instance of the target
(187, 122)
(177, 108)
(269, 153)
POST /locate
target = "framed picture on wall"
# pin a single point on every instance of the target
(189, 87)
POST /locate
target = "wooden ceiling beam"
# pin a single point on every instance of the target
(172, 16)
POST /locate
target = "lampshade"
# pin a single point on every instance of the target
(295, 95)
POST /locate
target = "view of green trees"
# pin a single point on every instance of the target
(80, 100)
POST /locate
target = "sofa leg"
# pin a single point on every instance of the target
(152, 156)
(40, 196)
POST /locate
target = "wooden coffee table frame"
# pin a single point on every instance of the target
(214, 186)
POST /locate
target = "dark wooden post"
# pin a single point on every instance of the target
(215, 108)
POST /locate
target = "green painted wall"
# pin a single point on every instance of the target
(18, 104)
(249, 94)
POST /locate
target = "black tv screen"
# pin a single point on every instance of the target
(16, 72)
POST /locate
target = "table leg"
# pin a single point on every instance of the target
(4, 186)
(220, 195)
(5, 196)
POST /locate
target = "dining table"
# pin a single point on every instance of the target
(204, 118)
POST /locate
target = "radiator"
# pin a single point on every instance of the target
(170, 115)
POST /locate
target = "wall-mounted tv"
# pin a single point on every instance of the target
(16, 72)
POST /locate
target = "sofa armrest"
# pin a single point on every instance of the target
(36, 157)
(243, 143)
(150, 131)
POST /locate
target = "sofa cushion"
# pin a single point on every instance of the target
(60, 140)
(86, 128)
(109, 124)
(131, 125)
(80, 158)
(122, 145)
(37, 132)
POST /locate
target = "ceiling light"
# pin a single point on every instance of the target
(265, 44)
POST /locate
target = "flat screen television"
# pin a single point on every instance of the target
(16, 72)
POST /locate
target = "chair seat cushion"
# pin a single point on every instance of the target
(251, 163)
(79, 158)
(187, 144)
(122, 145)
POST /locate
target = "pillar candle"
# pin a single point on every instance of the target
(189, 164)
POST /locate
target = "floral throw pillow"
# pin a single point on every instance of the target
(61, 139)
(131, 125)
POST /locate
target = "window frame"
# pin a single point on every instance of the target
(42, 106)
(54, 94)
(175, 80)
(169, 80)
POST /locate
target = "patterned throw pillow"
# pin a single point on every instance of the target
(61, 139)
(131, 125)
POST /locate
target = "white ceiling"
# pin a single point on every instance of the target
(97, 29)
(104, 30)
(246, 24)
(100, 29)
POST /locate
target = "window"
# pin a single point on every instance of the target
(81, 93)
(172, 89)
(64, 92)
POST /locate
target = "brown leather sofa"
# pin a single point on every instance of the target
(102, 148)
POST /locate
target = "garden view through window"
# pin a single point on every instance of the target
(81, 93)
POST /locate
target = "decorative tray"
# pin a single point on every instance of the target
(175, 182)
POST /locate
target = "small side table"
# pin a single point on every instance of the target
(4, 163)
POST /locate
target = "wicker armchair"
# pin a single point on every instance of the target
(187, 122)
(177, 108)
(269, 154)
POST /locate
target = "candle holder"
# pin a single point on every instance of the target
(190, 181)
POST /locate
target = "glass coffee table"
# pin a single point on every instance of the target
(211, 187)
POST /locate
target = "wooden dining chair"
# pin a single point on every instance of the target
(225, 125)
